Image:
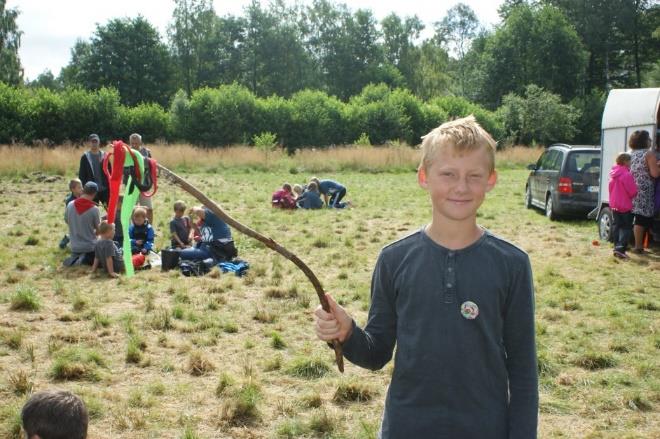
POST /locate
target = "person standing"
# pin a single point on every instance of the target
(91, 169)
(644, 168)
(136, 143)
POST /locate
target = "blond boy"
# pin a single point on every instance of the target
(458, 303)
(106, 252)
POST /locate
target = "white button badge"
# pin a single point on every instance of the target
(469, 310)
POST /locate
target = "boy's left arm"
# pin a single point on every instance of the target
(149, 242)
(521, 355)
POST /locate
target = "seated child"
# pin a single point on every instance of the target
(75, 188)
(310, 199)
(181, 227)
(54, 414)
(297, 190)
(283, 198)
(106, 252)
(140, 232)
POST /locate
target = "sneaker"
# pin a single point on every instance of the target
(64, 242)
(620, 255)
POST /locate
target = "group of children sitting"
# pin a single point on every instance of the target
(309, 196)
(184, 233)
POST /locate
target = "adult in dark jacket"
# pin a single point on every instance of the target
(91, 169)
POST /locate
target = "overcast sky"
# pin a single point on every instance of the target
(50, 28)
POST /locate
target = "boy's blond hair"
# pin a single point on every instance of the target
(74, 182)
(140, 212)
(462, 135)
(622, 158)
(105, 227)
(179, 206)
(298, 189)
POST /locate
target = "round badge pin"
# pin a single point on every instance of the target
(469, 310)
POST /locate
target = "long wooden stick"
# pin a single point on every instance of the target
(268, 242)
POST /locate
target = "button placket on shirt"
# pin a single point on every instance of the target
(450, 278)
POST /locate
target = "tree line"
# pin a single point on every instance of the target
(569, 52)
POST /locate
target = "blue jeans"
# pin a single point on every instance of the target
(622, 230)
(200, 252)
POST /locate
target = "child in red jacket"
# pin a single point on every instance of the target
(622, 191)
(283, 198)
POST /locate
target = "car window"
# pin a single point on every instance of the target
(556, 164)
(547, 160)
(584, 161)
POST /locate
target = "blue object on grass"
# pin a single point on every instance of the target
(238, 267)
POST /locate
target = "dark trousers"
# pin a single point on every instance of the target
(336, 197)
(622, 230)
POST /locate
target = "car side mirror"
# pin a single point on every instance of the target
(532, 166)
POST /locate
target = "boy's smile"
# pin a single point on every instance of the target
(457, 183)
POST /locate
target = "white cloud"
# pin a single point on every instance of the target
(51, 28)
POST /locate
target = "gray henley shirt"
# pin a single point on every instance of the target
(463, 324)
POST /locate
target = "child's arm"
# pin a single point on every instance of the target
(521, 354)
(131, 236)
(149, 242)
(325, 199)
(95, 264)
(372, 346)
(111, 268)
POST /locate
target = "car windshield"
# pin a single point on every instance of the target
(583, 161)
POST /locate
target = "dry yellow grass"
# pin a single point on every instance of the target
(61, 160)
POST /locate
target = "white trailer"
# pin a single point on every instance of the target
(626, 111)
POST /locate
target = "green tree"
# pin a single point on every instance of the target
(193, 25)
(457, 30)
(399, 38)
(46, 79)
(538, 116)
(10, 41)
(126, 54)
(534, 45)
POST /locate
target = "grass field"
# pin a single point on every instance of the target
(163, 356)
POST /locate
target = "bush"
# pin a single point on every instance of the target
(13, 120)
(317, 119)
(220, 116)
(455, 107)
(539, 116)
(151, 121)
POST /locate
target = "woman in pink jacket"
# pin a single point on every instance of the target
(622, 191)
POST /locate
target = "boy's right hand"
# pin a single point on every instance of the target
(333, 325)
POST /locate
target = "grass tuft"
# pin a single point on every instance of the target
(595, 361)
(309, 368)
(25, 298)
(353, 391)
(76, 363)
(198, 364)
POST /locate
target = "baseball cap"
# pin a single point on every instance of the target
(94, 137)
(90, 188)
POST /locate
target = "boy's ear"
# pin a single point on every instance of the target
(421, 177)
(492, 180)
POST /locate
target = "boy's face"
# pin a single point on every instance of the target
(109, 234)
(178, 213)
(138, 220)
(76, 190)
(457, 182)
(135, 143)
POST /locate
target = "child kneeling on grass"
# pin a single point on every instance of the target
(457, 301)
(283, 198)
(106, 252)
(180, 227)
(55, 414)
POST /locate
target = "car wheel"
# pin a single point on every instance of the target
(605, 221)
(549, 209)
(528, 197)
